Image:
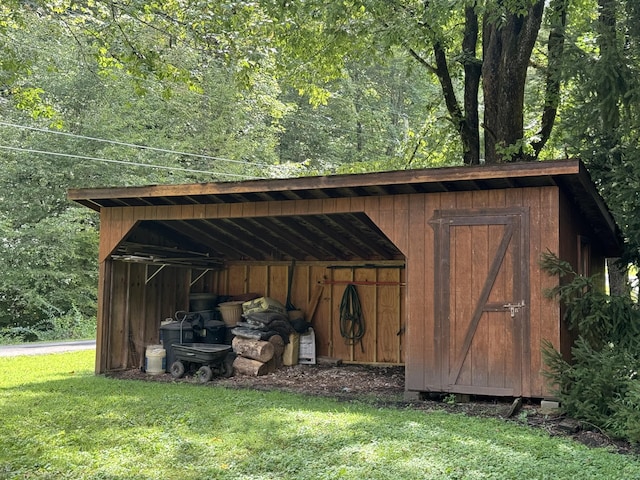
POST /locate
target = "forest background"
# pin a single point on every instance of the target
(134, 92)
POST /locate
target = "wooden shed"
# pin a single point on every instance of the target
(445, 262)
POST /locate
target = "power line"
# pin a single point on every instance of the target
(123, 162)
(369, 133)
(132, 145)
(155, 83)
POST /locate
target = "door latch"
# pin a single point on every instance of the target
(514, 307)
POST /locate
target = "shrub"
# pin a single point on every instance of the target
(18, 335)
(49, 270)
(72, 325)
(600, 385)
(626, 417)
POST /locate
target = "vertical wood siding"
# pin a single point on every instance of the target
(381, 300)
(401, 322)
(138, 305)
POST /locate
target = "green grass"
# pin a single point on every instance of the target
(58, 420)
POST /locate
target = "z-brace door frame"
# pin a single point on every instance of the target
(516, 234)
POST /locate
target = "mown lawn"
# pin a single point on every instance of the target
(58, 420)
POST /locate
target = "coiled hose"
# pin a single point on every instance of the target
(352, 326)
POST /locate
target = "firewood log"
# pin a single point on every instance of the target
(248, 366)
(278, 347)
(254, 349)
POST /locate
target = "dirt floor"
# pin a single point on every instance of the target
(384, 386)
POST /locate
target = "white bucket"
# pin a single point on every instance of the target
(155, 360)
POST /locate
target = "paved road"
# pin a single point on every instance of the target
(43, 348)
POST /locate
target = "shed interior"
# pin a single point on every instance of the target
(169, 259)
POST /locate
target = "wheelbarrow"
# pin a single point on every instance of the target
(213, 359)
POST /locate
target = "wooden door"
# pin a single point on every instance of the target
(482, 299)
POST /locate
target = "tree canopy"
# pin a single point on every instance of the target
(104, 92)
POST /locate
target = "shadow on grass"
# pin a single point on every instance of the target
(97, 427)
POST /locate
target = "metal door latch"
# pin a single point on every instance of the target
(514, 308)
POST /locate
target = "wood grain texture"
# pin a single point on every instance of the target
(406, 219)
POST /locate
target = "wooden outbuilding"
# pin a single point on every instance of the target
(445, 262)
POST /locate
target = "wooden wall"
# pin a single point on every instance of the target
(142, 296)
(388, 309)
(424, 335)
(380, 290)
(139, 298)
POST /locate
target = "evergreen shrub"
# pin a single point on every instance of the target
(599, 385)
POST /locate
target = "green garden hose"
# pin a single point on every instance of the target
(352, 326)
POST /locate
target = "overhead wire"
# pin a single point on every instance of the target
(132, 145)
(318, 124)
(124, 162)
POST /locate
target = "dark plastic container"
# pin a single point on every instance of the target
(175, 332)
(202, 301)
(207, 315)
(216, 332)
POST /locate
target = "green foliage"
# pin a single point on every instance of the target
(600, 120)
(626, 417)
(589, 312)
(61, 421)
(600, 383)
(49, 270)
(379, 117)
(593, 386)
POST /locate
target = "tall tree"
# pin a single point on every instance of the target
(509, 35)
(444, 38)
(469, 46)
(601, 117)
(48, 246)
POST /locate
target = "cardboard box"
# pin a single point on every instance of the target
(307, 349)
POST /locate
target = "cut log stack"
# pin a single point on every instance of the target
(260, 339)
(258, 350)
(278, 349)
(257, 357)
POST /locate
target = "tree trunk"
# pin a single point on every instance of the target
(470, 128)
(465, 119)
(555, 52)
(618, 284)
(507, 46)
(608, 93)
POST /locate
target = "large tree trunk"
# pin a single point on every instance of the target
(470, 128)
(465, 118)
(507, 45)
(555, 52)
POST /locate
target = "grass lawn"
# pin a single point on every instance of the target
(58, 420)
